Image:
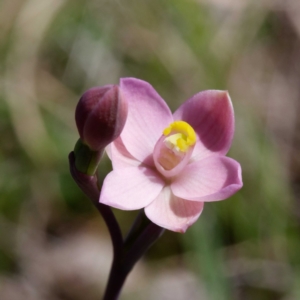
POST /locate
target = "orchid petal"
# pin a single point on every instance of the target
(120, 156)
(148, 116)
(172, 212)
(210, 113)
(212, 179)
(131, 188)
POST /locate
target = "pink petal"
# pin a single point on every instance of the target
(148, 116)
(131, 188)
(210, 113)
(173, 213)
(214, 178)
(120, 156)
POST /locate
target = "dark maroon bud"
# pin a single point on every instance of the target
(100, 116)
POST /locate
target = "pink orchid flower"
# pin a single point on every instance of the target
(171, 164)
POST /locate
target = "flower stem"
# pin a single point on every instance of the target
(142, 243)
(141, 236)
(116, 280)
(126, 253)
(89, 185)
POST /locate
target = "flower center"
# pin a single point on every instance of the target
(184, 136)
(180, 139)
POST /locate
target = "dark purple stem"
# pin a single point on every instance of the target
(117, 277)
(89, 186)
(132, 252)
(143, 242)
(141, 236)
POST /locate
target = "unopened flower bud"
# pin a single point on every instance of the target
(100, 116)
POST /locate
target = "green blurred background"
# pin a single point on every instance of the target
(53, 243)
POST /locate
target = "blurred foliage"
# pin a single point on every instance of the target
(52, 51)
